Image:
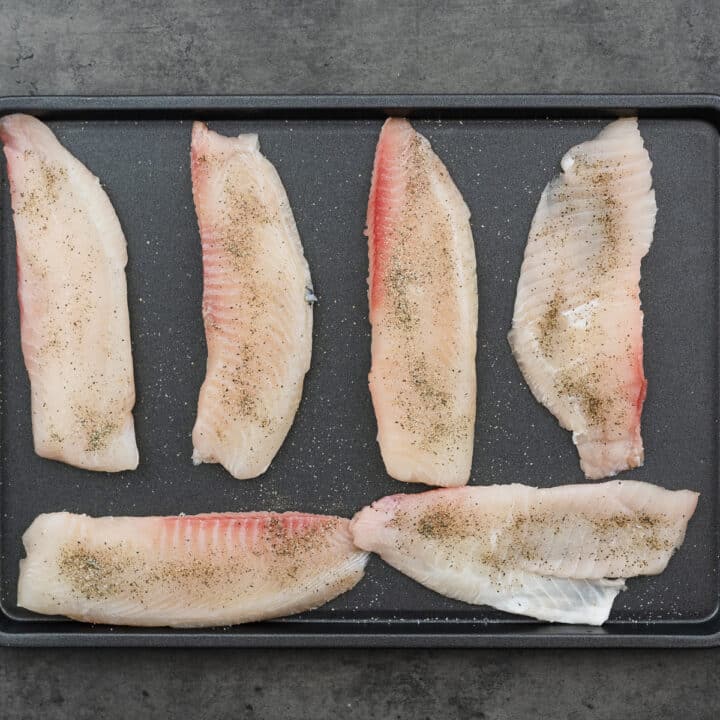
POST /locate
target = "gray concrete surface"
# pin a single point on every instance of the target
(221, 46)
(368, 46)
(377, 685)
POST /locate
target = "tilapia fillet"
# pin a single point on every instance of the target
(257, 305)
(74, 324)
(558, 554)
(577, 327)
(423, 311)
(186, 571)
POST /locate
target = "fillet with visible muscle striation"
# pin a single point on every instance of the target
(257, 305)
(577, 328)
(74, 324)
(187, 571)
(557, 554)
(423, 311)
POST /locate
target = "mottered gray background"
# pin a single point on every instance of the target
(225, 46)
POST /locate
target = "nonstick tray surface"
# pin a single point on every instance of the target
(501, 151)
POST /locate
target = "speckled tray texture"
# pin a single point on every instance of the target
(501, 151)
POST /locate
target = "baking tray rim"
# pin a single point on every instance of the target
(508, 106)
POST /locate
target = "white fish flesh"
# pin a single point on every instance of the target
(558, 554)
(186, 571)
(257, 305)
(423, 311)
(75, 329)
(577, 327)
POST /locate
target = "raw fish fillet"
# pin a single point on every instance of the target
(186, 571)
(257, 305)
(557, 554)
(423, 311)
(71, 257)
(577, 328)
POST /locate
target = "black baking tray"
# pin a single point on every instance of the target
(501, 151)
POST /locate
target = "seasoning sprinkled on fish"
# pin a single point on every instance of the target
(257, 305)
(74, 322)
(560, 554)
(186, 571)
(577, 326)
(423, 311)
